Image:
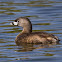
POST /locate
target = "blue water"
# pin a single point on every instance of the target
(45, 15)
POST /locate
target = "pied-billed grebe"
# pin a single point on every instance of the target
(27, 36)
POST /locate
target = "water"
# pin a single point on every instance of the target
(45, 15)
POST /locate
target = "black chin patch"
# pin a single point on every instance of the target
(12, 23)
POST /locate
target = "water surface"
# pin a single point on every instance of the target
(45, 15)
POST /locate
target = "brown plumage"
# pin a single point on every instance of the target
(27, 36)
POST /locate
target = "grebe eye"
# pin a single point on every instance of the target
(15, 20)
